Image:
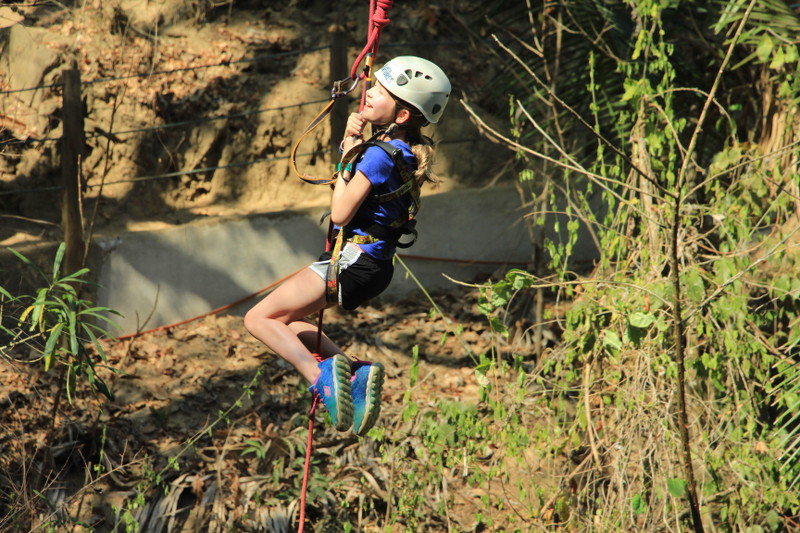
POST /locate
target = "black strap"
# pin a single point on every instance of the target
(403, 225)
(409, 185)
(393, 234)
(396, 155)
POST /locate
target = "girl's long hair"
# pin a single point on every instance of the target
(422, 146)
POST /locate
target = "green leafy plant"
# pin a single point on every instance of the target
(63, 329)
(60, 332)
(678, 353)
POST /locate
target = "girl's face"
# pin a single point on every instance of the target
(379, 106)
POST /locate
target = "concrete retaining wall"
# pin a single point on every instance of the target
(178, 273)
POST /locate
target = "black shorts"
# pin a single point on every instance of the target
(361, 276)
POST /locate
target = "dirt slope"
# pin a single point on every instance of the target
(240, 470)
(174, 88)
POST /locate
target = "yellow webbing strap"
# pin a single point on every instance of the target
(336, 93)
(332, 275)
(305, 177)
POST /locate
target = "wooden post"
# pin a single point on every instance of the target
(72, 145)
(338, 71)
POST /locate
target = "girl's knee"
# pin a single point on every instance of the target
(258, 320)
(251, 320)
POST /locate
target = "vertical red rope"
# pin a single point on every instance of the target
(378, 18)
(306, 469)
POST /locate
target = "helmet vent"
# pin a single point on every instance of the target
(436, 109)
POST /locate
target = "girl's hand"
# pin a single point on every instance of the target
(355, 125)
(353, 132)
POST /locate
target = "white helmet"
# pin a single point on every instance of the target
(418, 82)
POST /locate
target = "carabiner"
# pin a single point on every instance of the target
(337, 91)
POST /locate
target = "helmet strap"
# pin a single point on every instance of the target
(385, 129)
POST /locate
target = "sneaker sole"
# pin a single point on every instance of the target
(372, 408)
(341, 393)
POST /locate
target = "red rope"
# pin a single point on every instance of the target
(240, 301)
(216, 311)
(306, 469)
(378, 18)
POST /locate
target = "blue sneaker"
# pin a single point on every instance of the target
(333, 388)
(366, 386)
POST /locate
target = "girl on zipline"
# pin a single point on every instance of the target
(375, 196)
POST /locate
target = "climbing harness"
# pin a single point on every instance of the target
(394, 231)
(409, 185)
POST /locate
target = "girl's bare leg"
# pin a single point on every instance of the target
(307, 333)
(277, 321)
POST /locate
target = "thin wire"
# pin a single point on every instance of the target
(56, 188)
(225, 63)
(170, 125)
(29, 191)
(12, 91)
(203, 120)
(29, 140)
(229, 63)
(167, 175)
(207, 169)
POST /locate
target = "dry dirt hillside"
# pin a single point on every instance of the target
(191, 108)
